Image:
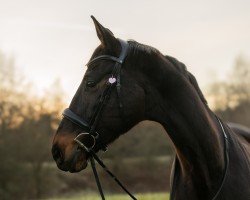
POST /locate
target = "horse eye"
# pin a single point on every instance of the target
(90, 83)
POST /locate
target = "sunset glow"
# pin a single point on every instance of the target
(54, 39)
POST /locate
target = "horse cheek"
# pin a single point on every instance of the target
(135, 108)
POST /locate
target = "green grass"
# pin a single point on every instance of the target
(147, 196)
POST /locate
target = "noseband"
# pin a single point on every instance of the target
(90, 127)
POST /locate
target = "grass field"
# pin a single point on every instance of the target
(149, 196)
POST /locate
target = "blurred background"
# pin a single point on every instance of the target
(44, 46)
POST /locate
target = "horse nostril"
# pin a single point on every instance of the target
(57, 154)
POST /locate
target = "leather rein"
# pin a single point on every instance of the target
(90, 128)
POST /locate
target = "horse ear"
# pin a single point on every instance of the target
(106, 37)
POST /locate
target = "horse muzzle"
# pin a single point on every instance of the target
(76, 162)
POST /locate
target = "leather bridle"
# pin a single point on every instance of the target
(114, 80)
(89, 128)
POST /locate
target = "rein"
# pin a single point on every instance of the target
(226, 157)
(94, 157)
(90, 128)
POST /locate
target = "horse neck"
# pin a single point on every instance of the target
(173, 102)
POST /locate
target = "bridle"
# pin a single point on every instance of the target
(90, 127)
(114, 80)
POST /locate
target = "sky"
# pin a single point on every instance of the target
(54, 39)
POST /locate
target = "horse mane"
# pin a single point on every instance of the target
(183, 69)
(137, 47)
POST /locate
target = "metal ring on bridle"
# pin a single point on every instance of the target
(77, 140)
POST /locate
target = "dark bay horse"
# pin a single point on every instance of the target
(158, 88)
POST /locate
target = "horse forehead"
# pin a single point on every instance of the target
(99, 68)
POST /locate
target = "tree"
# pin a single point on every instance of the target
(232, 97)
(26, 125)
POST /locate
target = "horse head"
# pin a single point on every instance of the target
(119, 112)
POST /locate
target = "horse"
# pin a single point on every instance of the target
(127, 82)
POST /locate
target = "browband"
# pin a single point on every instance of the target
(120, 59)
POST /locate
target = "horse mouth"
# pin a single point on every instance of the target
(77, 163)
